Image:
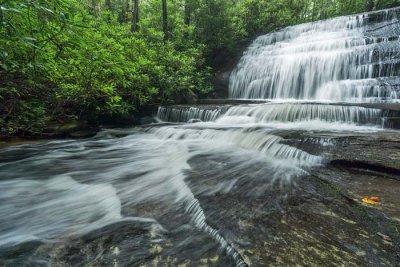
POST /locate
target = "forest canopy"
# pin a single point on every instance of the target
(96, 60)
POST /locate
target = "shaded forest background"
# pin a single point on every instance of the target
(101, 60)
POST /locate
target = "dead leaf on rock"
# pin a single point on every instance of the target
(371, 200)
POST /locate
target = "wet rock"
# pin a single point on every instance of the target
(83, 133)
(313, 220)
(74, 129)
(380, 149)
(317, 220)
(17, 255)
(147, 120)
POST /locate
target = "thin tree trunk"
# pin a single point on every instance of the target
(122, 16)
(187, 19)
(96, 6)
(165, 19)
(188, 13)
(305, 11)
(369, 5)
(108, 4)
(335, 8)
(313, 10)
(135, 17)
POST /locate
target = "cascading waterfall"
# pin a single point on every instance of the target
(188, 114)
(289, 112)
(304, 68)
(285, 112)
(313, 78)
(333, 60)
(368, 90)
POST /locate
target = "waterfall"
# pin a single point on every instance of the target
(188, 114)
(310, 77)
(290, 112)
(277, 112)
(316, 82)
(341, 59)
(320, 71)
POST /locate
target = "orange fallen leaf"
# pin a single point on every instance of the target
(371, 200)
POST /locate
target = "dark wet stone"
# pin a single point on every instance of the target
(147, 120)
(17, 255)
(75, 129)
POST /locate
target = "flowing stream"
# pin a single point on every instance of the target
(313, 78)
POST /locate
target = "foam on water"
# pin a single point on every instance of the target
(255, 140)
(44, 210)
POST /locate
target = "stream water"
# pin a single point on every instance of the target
(162, 178)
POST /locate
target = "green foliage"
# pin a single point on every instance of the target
(380, 4)
(62, 60)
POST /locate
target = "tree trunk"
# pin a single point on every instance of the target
(95, 8)
(313, 10)
(165, 19)
(369, 5)
(135, 17)
(187, 18)
(188, 13)
(108, 4)
(304, 13)
(123, 16)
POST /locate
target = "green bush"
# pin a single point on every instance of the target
(63, 62)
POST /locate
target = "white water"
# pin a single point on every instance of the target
(188, 114)
(63, 189)
(328, 60)
(158, 174)
(293, 115)
(306, 73)
(60, 203)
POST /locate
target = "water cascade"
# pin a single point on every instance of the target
(340, 59)
(188, 114)
(170, 180)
